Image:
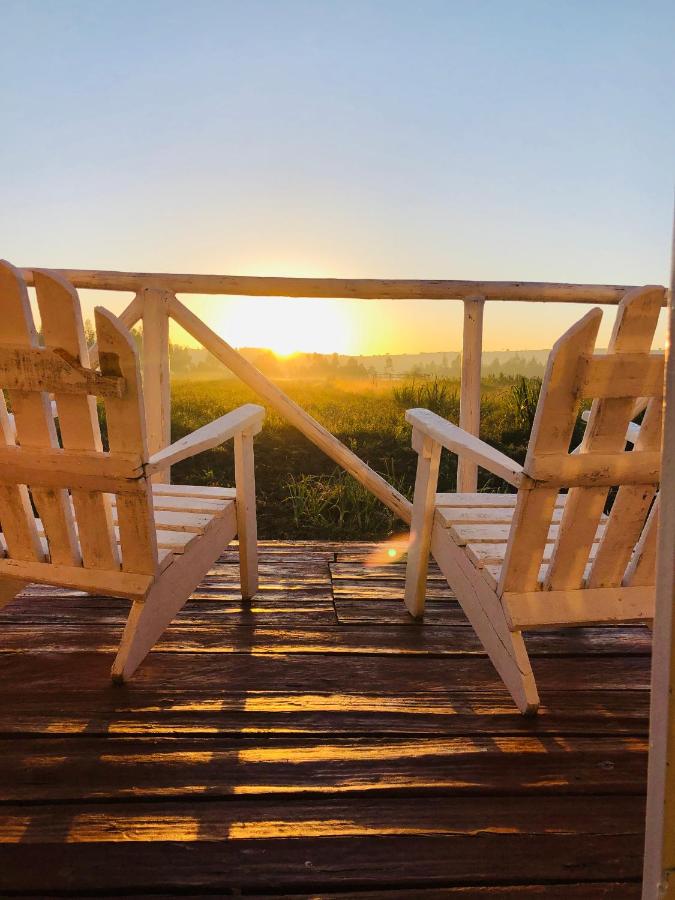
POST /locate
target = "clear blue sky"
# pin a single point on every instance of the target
(488, 140)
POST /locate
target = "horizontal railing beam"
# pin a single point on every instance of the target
(342, 288)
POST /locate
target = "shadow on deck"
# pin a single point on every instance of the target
(316, 743)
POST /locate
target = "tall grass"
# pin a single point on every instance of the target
(440, 395)
(524, 395)
(337, 506)
(299, 491)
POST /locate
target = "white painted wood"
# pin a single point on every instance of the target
(496, 553)
(659, 860)
(469, 401)
(165, 551)
(96, 581)
(168, 536)
(642, 567)
(476, 500)
(180, 520)
(484, 611)
(248, 417)
(349, 288)
(491, 533)
(247, 529)
(156, 374)
(605, 432)
(633, 428)
(485, 515)
(629, 511)
(33, 419)
(493, 554)
(426, 480)
(45, 369)
(126, 434)
(193, 490)
(149, 618)
(54, 468)
(63, 330)
(551, 434)
(536, 609)
(130, 316)
(616, 375)
(9, 588)
(592, 469)
(459, 441)
(16, 512)
(163, 503)
(11, 425)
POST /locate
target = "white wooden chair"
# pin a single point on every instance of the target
(542, 558)
(104, 526)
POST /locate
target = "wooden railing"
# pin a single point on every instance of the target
(155, 302)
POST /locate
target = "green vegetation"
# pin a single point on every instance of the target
(301, 493)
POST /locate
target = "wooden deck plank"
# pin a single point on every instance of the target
(410, 861)
(72, 768)
(328, 639)
(219, 711)
(29, 672)
(242, 820)
(600, 891)
(277, 747)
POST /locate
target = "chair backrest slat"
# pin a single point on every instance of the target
(16, 515)
(605, 432)
(551, 434)
(34, 421)
(126, 434)
(63, 328)
(618, 379)
(641, 570)
(71, 484)
(629, 511)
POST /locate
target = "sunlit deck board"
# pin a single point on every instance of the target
(315, 742)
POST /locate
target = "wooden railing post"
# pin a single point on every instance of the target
(156, 384)
(469, 401)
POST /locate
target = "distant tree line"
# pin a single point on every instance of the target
(495, 369)
(196, 362)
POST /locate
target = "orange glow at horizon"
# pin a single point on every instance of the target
(283, 325)
(376, 327)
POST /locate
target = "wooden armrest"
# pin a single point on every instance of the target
(246, 418)
(461, 442)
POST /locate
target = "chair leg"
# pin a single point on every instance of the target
(147, 622)
(145, 625)
(506, 650)
(426, 481)
(484, 611)
(517, 675)
(150, 617)
(9, 588)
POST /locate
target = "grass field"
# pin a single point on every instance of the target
(301, 493)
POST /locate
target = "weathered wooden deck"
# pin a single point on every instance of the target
(315, 743)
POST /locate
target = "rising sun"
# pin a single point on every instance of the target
(284, 325)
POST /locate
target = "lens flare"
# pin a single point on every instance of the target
(393, 550)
